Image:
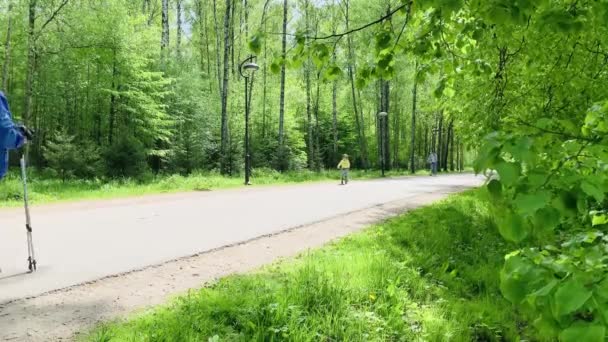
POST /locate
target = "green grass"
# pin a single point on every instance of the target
(48, 190)
(431, 275)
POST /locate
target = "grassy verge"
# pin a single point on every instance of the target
(430, 275)
(45, 190)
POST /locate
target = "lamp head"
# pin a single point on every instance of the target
(250, 67)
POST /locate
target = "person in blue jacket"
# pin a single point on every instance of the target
(12, 136)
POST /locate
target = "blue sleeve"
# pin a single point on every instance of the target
(10, 136)
(3, 162)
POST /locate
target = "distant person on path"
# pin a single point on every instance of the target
(344, 166)
(11, 136)
(433, 161)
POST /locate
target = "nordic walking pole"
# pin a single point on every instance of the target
(28, 222)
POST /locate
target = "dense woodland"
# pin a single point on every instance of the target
(115, 87)
(100, 80)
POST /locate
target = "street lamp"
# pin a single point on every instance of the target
(382, 117)
(247, 69)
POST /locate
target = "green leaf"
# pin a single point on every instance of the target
(537, 178)
(569, 297)
(451, 5)
(440, 88)
(509, 172)
(512, 228)
(513, 278)
(601, 289)
(495, 188)
(255, 43)
(320, 54)
(383, 40)
(449, 92)
(297, 61)
(599, 220)
(593, 191)
(566, 203)
(528, 204)
(546, 219)
(275, 67)
(333, 73)
(488, 154)
(522, 149)
(583, 331)
(545, 290)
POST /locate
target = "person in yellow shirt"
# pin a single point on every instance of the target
(344, 166)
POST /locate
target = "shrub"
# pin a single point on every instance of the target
(126, 158)
(71, 159)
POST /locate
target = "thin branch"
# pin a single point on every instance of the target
(407, 19)
(548, 131)
(263, 21)
(76, 47)
(339, 35)
(563, 161)
(387, 16)
(52, 17)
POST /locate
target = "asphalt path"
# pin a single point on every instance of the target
(84, 241)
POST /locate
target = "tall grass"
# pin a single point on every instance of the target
(44, 190)
(431, 275)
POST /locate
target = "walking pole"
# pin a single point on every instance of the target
(28, 222)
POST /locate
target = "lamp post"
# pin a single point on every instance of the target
(382, 117)
(247, 69)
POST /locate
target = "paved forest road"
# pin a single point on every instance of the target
(81, 242)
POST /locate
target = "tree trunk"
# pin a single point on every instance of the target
(334, 112)
(452, 145)
(218, 47)
(317, 150)
(113, 99)
(396, 134)
(282, 94)
(246, 9)
(204, 39)
(179, 29)
(309, 138)
(164, 41)
(426, 151)
(434, 134)
(264, 70)
(98, 108)
(446, 150)
(309, 125)
(384, 129)
(232, 44)
(31, 62)
(461, 156)
(379, 136)
(413, 138)
(357, 111)
(7, 47)
(458, 154)
(226, 78)
(440, 142)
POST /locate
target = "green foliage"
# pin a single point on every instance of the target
(560, 282)
(125, 158)
(549, 146)
(70, 159)
(256, 42)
